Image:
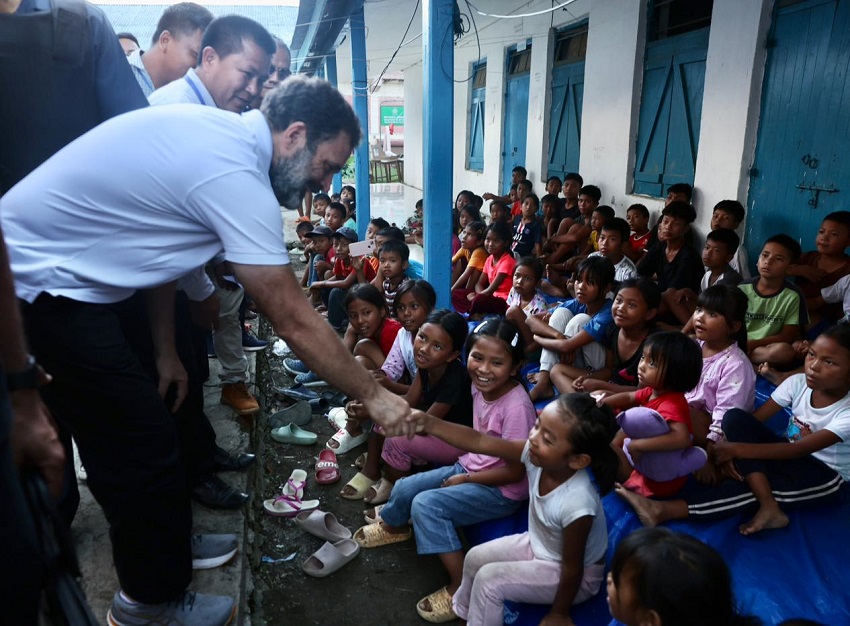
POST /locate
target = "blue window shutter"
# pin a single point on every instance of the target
(565, 119)
(476, 131)
(670, 108)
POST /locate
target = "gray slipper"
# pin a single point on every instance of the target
(323, 525)
(298, 414)
(330, 557)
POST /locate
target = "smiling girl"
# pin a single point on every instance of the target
(476, 488)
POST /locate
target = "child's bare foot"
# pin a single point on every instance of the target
(646, 509)
(394, 530)
(352, 428)
(774, 376)
(764, 519)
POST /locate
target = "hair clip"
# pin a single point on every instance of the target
(515, 340)
(479, 327)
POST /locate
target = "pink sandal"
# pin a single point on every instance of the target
(286, 505)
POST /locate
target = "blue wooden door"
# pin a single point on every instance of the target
(801, 169)
(565, 119)
(670, 109)
(516, 122)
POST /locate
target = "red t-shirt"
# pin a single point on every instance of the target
(505, 265)
(386, 337)
(673, 408)
(343, 269)
(516, 209)
(638, 243)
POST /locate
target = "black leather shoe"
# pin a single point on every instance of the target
(217, 494)
(226, 462)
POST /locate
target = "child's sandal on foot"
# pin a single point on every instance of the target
(441, 607)
(360, 483)
(375, 536)
(379, 492)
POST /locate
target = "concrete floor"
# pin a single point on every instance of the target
(91, 531)
(378, 588)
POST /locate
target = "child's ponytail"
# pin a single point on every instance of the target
(592, 433)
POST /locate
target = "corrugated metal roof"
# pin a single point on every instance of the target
(141, 19)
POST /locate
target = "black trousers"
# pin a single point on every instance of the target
(128, 440)
(795, 483)
(20, 556)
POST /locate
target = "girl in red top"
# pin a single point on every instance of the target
(374, 328)
(671, 366)
(375, 333)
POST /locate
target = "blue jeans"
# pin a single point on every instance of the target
(436, 511)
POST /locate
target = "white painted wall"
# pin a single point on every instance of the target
(612, 92)
(734, 71)
(613, 73)
(413, 173)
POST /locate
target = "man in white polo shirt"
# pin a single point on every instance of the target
(86, 230)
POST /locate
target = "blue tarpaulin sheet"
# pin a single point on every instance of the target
(797, 571)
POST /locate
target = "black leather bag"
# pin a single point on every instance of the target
(66, 602)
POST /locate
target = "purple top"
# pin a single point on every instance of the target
(728, 381)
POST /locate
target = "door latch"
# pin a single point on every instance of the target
(816, 192)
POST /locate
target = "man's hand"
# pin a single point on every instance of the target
(35, 442)
(205, 314)
(391, 412)
(171, 372)
(219, 271)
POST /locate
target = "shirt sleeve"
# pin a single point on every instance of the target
(599, 323)
(393, 365)
(736, 390)
(477, 259)
(835, 293)
(197, 285)
(642, 395)
(242, 210)
(789, 389)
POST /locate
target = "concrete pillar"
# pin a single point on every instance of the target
(330, 72)
(359, 99)
(438, 143)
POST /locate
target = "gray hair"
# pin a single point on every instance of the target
(317, 104)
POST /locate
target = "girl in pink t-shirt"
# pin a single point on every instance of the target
(478, 487)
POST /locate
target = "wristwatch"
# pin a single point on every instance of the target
(27, 379)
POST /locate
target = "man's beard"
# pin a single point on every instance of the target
(290, 177)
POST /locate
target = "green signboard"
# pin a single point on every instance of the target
(392, 114)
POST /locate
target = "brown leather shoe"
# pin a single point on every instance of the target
(236, 395)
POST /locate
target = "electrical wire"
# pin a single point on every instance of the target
(541, 12)
(400, 44)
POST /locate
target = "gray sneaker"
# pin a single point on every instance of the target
(191, 609)
(210, 551)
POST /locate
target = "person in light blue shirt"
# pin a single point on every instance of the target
(234, 63)
(175, 46)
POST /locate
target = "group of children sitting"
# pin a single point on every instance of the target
(651, 352)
